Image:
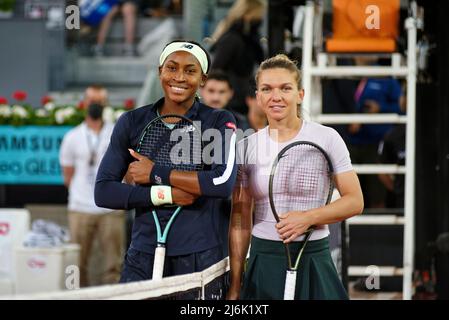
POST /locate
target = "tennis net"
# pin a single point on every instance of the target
(210, 284)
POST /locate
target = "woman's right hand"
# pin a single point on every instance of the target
(181, 197)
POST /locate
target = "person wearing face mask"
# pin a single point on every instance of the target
(80, 154)
(237, 49)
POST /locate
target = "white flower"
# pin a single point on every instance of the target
(49, 106)
(5, 110)
(108, 115)
(59, 116)
(19, 111)
(62, 114)
(70, 111)
(41, 112)
(118, 114)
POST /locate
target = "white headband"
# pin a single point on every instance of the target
(191, 48)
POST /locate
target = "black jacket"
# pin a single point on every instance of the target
(237, 53)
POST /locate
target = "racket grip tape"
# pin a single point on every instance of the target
(158, 265)
(290, 285)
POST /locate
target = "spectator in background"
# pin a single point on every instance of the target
(129, 9)
(95, 94)
(161, 8)
(237, 49)
(81, 152)
(373, 95)
(392, 150)
(217, 92)
(256, 117)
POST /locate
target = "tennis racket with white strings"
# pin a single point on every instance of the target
(173, 141)
(300, 180)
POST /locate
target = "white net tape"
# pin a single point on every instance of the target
(149, 289)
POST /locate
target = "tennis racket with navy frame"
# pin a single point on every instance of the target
(173, 141)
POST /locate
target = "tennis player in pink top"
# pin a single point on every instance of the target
(279, 93)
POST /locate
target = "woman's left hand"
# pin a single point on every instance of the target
(140, 170)
(293, 224)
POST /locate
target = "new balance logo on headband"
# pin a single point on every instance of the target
(191, 48)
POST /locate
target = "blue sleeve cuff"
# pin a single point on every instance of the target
(160, 175)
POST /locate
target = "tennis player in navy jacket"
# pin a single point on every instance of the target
(194, 242)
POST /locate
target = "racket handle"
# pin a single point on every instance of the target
(158, 265)
(290, 285)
